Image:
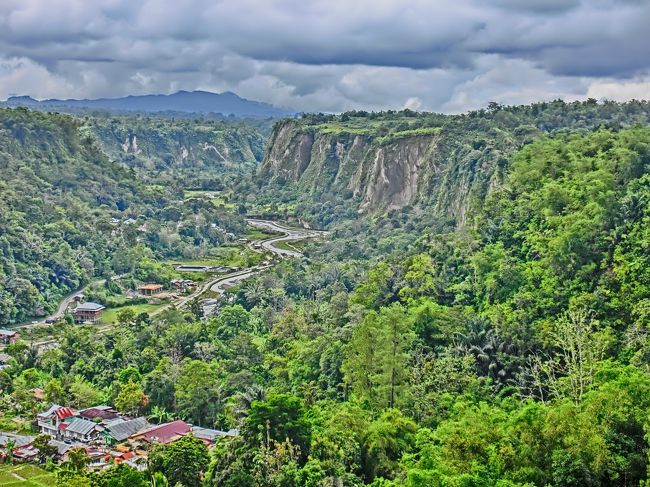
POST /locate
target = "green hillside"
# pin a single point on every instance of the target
(59, 194)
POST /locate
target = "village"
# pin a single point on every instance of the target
(105, 435)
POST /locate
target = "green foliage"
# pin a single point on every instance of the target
(182, 461)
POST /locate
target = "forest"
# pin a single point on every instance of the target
(513, 350)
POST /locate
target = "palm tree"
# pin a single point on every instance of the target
(158, 479)
(160, 415)
(77, 460)
(9, 451)
(496, 358)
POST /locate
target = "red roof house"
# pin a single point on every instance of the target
(164, 433)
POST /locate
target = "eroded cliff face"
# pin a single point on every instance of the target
(382, 174)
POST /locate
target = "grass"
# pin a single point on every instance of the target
(110, 315)
(216, 197)
(295, 246)
(257, 234)
(34, 476)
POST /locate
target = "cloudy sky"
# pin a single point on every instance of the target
(330, 55)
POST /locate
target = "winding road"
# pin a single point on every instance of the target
(222, 283)
(288, 234)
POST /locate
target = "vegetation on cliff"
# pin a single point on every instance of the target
(69, 214)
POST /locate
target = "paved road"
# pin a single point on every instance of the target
(222, 283)
(288, 234)
(63, 306)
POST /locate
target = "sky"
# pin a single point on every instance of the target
(330, 55)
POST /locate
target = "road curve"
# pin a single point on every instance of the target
(288, 234)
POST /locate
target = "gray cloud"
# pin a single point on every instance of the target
(328, 55)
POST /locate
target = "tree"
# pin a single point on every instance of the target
(160, 415)
(419, 279)
(45, 449)
(131, 398)
(376, 363)
(9, 451)
(84, 394)
(54, 392)
(387, 439)
(120, 476)
(198, 393)
(278, 417)
(184, 461)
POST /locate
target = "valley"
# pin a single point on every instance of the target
(369, 298)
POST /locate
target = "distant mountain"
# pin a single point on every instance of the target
(227, 103)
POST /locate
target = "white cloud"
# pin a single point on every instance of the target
(22, 75)
(329, 55)
(618, 90)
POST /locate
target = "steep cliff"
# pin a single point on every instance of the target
(446, 164)
(380, 172)
(156, 143)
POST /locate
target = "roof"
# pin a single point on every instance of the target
(98, 412)
(165, 433)
(81, 426)
(123, 429)
(61, 446)
(4, 357)
(151, 286)
(64, 412)
(18, 439)
(210, 434)
(89, 306)
(60, 412)
(8, 333)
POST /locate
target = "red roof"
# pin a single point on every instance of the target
(63, 412)
(165, 433)
(63, 426)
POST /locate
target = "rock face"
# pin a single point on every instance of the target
(382, 174)
(159, 143)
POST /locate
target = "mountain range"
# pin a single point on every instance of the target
(226, 103)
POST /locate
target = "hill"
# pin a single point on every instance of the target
(227, 103)
(446, 164)
(70, 213)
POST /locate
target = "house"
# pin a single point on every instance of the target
(150, 289)
(62, 448)
(164, 433)
(102, 413)
(121, 429)
(88, 313)
(8, 337)
(22, 451)
(182, 284)
(49, 422)
(210, 436)
(79, 429)
(5, 358)
(19, 440)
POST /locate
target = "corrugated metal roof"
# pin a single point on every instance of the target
(89, 306)
(122, 430)
(61, 446)
(165, 433)
(18, 439)
(61, 412)
(81, 426)
(64, 412)
(97, 412)
(210, 434)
